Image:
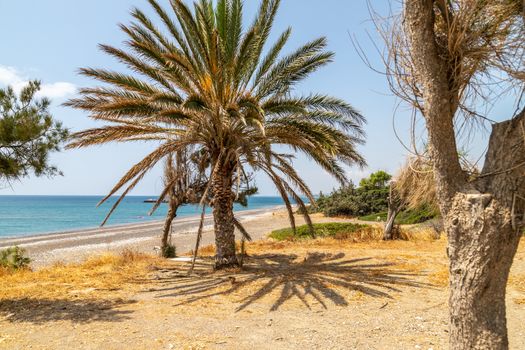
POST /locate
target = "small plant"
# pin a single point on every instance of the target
(14, 258)
(169, 251)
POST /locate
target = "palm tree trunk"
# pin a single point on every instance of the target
(172, 214)
(223, 219)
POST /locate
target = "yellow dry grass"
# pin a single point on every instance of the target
(349, 271)
(518, 281)
(440, 277)
(98, 277)
(370, 238)
(288, 262)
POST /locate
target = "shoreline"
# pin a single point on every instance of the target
(77, 230)
(77, 245)
(37, 215)
(133, 225)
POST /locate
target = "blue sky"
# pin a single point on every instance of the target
(49, 40)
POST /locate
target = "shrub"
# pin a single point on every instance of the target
(407, 217)
(14, 258)
(169, 251)
(382, 216)
(370, 197)
(335, 230)
(415, 216)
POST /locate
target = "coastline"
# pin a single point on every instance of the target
(27, 216)
(76, 245)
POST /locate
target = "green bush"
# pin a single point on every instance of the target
(407, 217)
(370, 197)
(417, 216)
(334, 229)
(375, 217)
(169, 251)
(14, 258)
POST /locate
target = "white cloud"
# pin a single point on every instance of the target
(57, 90)
(10, 76)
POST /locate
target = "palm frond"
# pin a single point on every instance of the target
(200, 80)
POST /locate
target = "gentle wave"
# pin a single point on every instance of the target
(29, 215)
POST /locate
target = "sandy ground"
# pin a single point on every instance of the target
(324, 294)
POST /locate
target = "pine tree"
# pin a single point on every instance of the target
(28, 133)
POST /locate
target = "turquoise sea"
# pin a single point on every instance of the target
(29, 215)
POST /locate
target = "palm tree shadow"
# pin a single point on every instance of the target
(318, 277)
(40, 311)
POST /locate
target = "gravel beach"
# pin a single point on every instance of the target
(77, 245)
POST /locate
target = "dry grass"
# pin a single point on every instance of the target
(208, 250)
(413, 239)
(416, 234)
(419, 239)
(100, 276)
(518, 281)
(112, 276)
(364, 235)
(440, 277)
(415, 183)
(4, 271)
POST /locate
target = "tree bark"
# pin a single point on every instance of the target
(482, 245)
(388, 233)
(484, 228)
(483, 219)
(172, 214)
(224, 226)
(393, 210)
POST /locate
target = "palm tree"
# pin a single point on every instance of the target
(203, 81)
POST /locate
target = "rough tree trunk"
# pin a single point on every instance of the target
(388, 233)
(224, 226)
(393, 210)
(172, 214)
(481, 247)
(483, 219)
(484, 227)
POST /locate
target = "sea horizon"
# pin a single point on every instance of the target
(26, 215)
